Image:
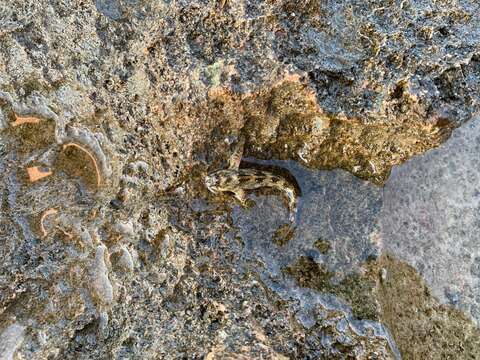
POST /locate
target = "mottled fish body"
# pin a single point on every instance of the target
(237, 181)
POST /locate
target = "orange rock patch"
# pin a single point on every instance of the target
(19, 120)
(35, 173)
(48, 212)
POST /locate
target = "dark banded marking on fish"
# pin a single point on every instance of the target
(237, 181)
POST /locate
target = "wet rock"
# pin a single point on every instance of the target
(125, 228)
(137, 100)
(110, 8)
(124, 259)
(303, 131)
(10, 340)
(101, 286)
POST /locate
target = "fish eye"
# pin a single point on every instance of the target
(210, 180)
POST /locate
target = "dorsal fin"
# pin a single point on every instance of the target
(237, 155)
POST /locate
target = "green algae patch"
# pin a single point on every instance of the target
(322, 245)
(393, 293)
(286, 122)
(357, 290)
(421, 326)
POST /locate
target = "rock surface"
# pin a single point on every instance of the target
(113, 111)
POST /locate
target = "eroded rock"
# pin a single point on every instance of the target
(102, 288)
(10, 340)
(148, 96)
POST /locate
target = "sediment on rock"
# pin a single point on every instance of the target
(113, 111)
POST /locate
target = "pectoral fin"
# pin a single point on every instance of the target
(240, 196)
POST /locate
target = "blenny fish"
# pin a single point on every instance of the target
(238, 181)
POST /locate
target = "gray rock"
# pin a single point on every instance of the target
(10, 340)
(158, 93)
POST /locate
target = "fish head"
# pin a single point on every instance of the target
(212, 182)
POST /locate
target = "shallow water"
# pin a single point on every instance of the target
(430, 218)
(426, 215)
(336, 208)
